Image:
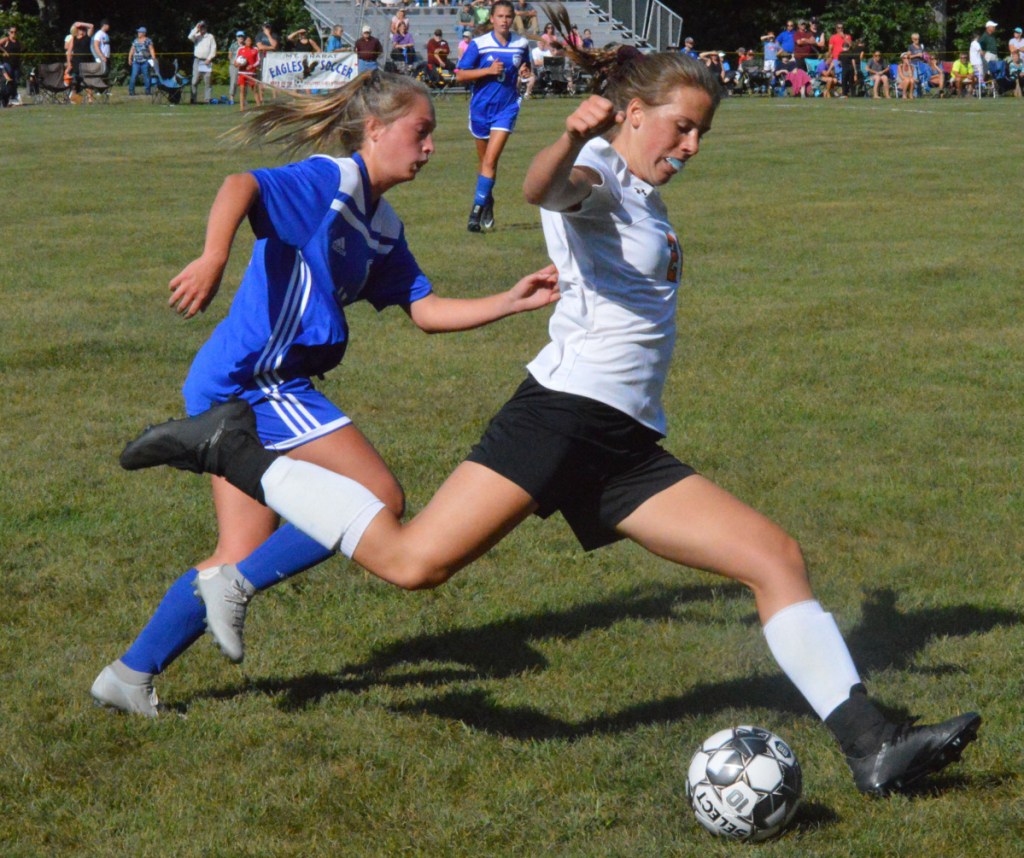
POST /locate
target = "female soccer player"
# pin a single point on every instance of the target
(491, 64)
(581, 435)
(325, 238)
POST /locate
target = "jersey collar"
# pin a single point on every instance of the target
(369, 206)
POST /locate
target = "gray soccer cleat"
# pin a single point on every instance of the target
(192, 444)
(226, 594)
(113, 692)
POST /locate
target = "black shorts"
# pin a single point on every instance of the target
(591, 462)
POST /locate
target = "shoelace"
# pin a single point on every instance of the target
(237, 596)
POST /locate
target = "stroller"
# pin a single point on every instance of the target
(53, 87)
(556, 77)
(434, 77)
(94, 76)
(168, 82)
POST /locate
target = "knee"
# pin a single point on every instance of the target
(783, 565)
(420, 575)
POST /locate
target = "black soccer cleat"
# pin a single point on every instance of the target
(911, 753)
(487, 215)
(196, 443)
(475, 214)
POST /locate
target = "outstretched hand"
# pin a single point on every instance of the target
(195, 287)
(535, 290)
(592, 118)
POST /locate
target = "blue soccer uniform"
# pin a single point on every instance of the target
(321, 244)
(494, 104)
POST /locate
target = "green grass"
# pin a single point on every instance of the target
(851, 361)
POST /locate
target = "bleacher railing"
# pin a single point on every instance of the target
(647, 23)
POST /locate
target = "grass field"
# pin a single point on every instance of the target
(851, 361)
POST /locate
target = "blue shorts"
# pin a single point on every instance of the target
(482, 123)
(289, 414)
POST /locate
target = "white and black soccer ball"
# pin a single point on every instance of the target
(241, 62)
(744, 783)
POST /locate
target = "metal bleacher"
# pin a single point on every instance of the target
(652, 25)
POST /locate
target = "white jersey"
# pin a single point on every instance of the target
(618, 259)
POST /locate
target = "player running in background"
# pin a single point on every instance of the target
(491, 64)
(325, 239)
(582, 434)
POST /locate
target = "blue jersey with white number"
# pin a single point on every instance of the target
(321, 245)
(492, 94)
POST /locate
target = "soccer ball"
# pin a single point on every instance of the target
(744, 783)
(241, 62)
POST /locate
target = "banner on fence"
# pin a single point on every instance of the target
(308, 71)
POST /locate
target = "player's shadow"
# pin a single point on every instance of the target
(885, 637)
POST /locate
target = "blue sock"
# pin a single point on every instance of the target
(287, 552)
(484, 190)
(177, 622)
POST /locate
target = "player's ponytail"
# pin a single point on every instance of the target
(621, 72)
(335, 122)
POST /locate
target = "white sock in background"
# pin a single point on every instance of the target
(333, 509)
(809, 648)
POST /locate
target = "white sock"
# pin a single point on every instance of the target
(333, 509)
(809, 648)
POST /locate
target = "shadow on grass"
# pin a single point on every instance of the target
(813, 816)
(885, 637)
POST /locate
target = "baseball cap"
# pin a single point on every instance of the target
(1018, 30)
(140, 30)
(991, 24)
(366, 28)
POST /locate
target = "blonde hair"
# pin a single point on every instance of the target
(622, 73)
(335, 122)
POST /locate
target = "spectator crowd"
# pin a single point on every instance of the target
(799, 59)
(802, 60)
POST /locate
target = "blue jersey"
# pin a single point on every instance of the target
(493, 94)
(321, 245)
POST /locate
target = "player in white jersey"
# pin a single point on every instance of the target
(491, 64)
(326, 238)
(582, 434)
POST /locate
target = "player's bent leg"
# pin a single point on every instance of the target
(227, 589)
(473, 510)
(698, 524)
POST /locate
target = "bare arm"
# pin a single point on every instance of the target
(437, 315)
(552, 180)
(467, 75)
(197, 284)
